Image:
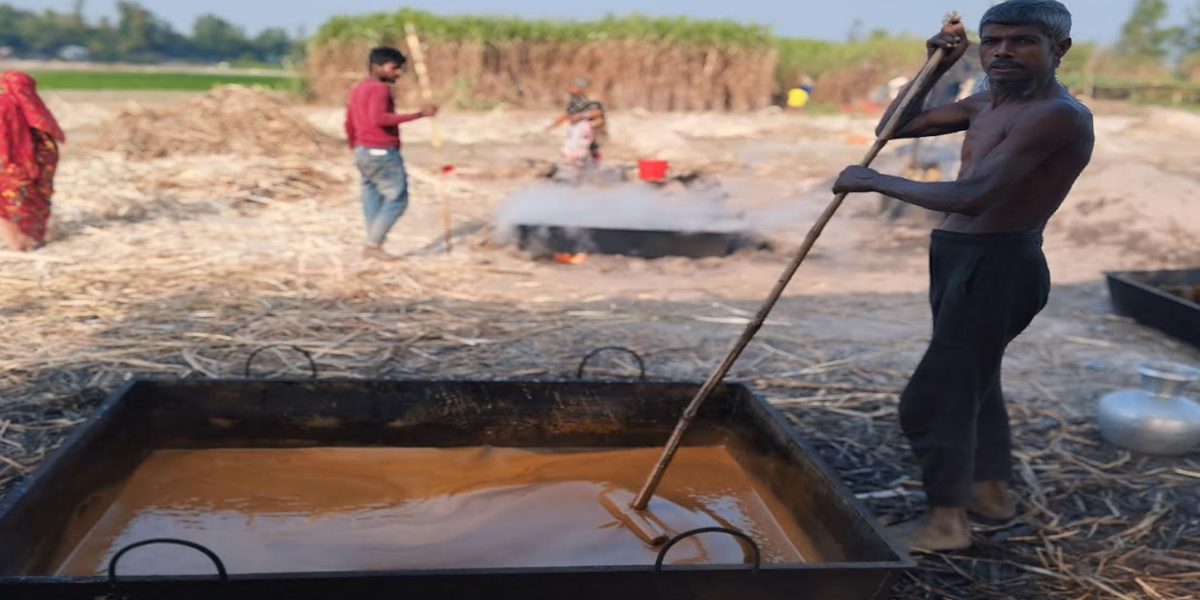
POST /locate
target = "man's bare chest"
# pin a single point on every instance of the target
(987, 131)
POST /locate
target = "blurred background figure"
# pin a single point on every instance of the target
(29, 139)
(582, 107)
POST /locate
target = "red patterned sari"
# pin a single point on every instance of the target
(29, 138)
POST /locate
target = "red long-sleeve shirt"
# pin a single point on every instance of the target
(371, 118)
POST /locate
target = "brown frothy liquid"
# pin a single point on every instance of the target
(364, 509)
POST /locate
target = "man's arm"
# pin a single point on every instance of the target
(349, 127)
(952, 40)
(939, 120)
(596, 114)
(377, 108)
(563, 118)
(1037, 135)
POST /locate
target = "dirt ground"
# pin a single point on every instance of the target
(181, 266)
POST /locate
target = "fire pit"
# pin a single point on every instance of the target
(156, 431)
(641, 243)
(696, 220)
(1164, 300)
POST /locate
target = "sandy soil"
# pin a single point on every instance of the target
(157, 271)
(1132, 209)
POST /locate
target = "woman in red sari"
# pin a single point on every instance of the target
(29, 138)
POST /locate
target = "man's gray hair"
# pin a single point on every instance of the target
(1052, 16)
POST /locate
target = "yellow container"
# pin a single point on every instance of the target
(797, 97)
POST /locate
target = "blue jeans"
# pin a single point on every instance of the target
(384, 189)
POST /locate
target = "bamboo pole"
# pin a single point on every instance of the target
(414, 48)
(710, 385)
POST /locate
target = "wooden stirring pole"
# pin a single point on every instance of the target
(414, 48)
(717, 376)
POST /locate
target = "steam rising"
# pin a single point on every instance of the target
(634, 206)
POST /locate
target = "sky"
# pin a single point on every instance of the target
(1098, 20)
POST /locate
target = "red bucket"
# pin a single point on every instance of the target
(652, 170)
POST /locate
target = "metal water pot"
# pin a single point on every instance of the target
(1157, 418)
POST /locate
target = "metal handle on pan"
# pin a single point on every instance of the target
(754, 551)
(641, 363)
(312, 363)
(216, 560)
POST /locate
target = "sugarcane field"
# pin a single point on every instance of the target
(554, 304)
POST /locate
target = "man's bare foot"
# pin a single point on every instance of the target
(993, 500)
(377, 253)
(938, 530)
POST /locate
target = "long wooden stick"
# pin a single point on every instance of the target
(414, 48)
(717, 376)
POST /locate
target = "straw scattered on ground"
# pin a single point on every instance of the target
(1096, 521)
(182, 265)
(229, 119)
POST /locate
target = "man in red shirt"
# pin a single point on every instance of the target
(373, 132)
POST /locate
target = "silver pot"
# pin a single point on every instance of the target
(1156, 418)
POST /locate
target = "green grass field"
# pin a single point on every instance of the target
(155, 81)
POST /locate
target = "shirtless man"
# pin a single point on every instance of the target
(1027, 142)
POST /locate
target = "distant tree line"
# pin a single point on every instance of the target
(136, 35)
(1144, 35)
(1146, 39)
(1148, 47)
